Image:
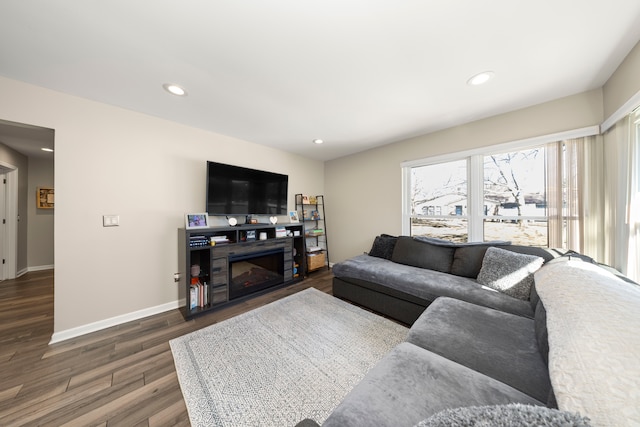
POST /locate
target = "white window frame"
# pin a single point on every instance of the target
(475, 175)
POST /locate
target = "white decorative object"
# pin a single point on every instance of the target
(195, 270)
(273, 219)
(232, 221)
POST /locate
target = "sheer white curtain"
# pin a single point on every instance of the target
(554, 195)
(621, 201)
(575, 194)
(590, 180)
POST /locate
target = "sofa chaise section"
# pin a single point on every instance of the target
(500, 345)
(410, 384)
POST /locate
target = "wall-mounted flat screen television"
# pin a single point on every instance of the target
(235, 190)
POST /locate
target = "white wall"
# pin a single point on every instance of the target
(147, 170)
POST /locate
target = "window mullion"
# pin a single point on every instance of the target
(475, 198)
(406, 201)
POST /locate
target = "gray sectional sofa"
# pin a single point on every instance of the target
(401, 276)
(562, 349)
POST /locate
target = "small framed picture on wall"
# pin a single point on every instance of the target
(45, 198)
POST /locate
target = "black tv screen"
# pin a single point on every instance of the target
(234, 190)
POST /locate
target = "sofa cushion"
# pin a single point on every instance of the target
(509, 272)
(410, 384)
(594, 345)
(542, 337)
(467, 260)
(383, 246)
(500, 345)
(512, 415)
(546, 253)
(423, 254)
(426, 284)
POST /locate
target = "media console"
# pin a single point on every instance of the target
(222, 265)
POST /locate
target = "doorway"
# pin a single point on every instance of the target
(27, 243)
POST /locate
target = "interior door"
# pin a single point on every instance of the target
(3, 185)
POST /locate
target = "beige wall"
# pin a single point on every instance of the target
(15, 159)
(367, 186)
(40, 230)
(624, 83)
(147, 170)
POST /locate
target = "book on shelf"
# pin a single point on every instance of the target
(193, 296)
(219, 240)
(197, 241)
(281, 232)
(198, 295)
(312, 249)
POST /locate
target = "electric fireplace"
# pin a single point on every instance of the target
(255, 271)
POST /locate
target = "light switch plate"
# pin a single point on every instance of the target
(110, 220)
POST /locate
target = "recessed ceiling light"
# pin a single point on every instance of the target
(480, 78)
(318, 141)
(174, 89)
(48, 150)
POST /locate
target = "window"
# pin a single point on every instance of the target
(439, 200)
(515, 197)
(520, 192)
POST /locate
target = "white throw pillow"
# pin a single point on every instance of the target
(509, 272)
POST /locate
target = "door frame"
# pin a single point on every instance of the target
(10, 247)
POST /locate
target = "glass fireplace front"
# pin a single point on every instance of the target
(253, 272)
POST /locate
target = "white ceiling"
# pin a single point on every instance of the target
(356, 73)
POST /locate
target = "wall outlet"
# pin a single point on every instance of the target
(110, 220)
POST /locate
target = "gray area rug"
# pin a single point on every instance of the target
(292, 359)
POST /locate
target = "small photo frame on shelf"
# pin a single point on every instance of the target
(196, 220)
(305, 199)
(45, 198)
(293, 217)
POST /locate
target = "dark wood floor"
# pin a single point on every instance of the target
(121, 376)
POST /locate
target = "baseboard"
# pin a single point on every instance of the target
(22, 272)
(114, 321)
(40, 267)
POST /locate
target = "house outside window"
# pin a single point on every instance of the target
(439, 200)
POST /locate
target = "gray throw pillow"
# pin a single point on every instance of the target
(512, 415)
(509, 272)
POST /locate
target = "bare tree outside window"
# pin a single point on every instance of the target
(515, 197)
